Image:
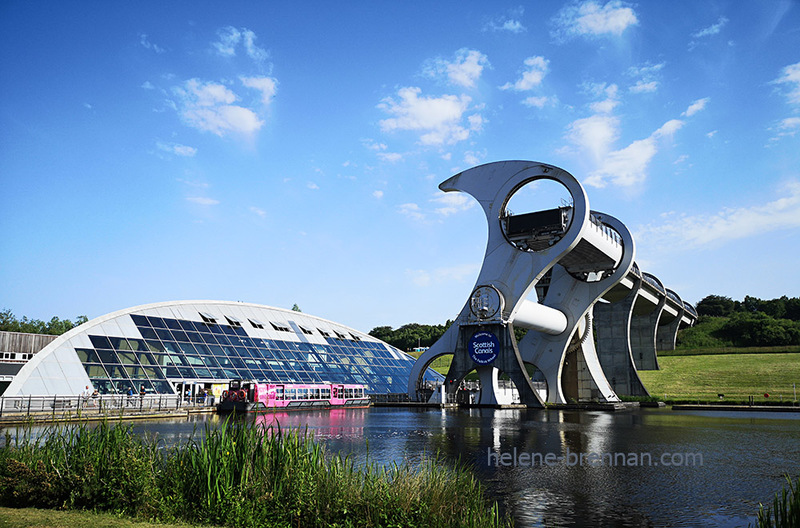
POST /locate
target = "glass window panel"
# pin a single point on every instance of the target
(127, 358)
(173, 324)
(202, 372)
(153, 372)
(171, 347)
(119, 343)
(136, 372)
(237, 362)
(209, 361)
(222, 339)
(230, 373)
(164, 334)
(177, 359)
(224, 361)
(145, 358)
(139, 320)
(162, 387)
(186, 372)
(172, 372)
(107, 356)
(210, 339)
(180, 335)
(116, 371)
(202, 349)
(187, 348)
(186, 325)
(95, 371)
(216, 350)
(83, 354)
(100, 341)
(156, 322)
(194, 337)
(148, 333)
(242, 351)
(217, 373)
(194, 360)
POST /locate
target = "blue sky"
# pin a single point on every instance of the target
(285, 153)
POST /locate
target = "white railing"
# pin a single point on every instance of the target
(115, 404)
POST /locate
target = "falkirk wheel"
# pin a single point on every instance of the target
(570, 257)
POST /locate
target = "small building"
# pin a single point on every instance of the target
(182, 347)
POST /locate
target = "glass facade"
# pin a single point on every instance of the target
(177, 350)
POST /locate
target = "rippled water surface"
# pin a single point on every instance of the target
(744, 456)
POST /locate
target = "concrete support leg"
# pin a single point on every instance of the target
(613, 330)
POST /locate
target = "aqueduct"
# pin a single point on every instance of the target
(593, 318)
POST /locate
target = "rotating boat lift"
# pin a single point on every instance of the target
(571, 256)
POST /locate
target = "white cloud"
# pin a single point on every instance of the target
(143, 40)
(509, 23)
(202, 200)
(644, 87)
(450, 203)
(607, 105)
(177, 149)
(438, 119)
(424, 278)
(472, 158)
(539, 102)
(229, 39)
(594, 134)
(253, 51)
(313, 186)
(699, 231)
(696, 106)
(628, 166)
(208, 106)
(464, 70)
(147, 85)
(411, 210)
(258, 212)
(377, 194)
(787, 127)
(391, 157)
(711, 134)
(590, 18)
(266, 85)
(532, 76)
(790, 75)
(713, 29)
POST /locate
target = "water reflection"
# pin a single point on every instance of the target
(744, 456)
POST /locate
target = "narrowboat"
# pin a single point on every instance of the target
(247, 396)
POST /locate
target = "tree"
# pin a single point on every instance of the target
(296, 308)
(715, 306)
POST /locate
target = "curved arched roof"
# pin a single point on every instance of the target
(208, 342)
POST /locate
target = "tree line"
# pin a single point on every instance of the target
(748, 323)
(56, 326)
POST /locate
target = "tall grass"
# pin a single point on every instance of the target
(238, 474)
(785, 511)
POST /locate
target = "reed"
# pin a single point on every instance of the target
(785, 511)
(237, 474)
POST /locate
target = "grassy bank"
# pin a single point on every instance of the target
(709, 351)
(35, 518)
(234, 475)
(737, 376)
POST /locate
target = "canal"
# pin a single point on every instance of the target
(648, 467)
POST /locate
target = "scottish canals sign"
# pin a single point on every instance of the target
(483, 347)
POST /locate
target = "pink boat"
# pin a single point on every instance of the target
(244, 396)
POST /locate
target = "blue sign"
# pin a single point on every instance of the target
(483, 347)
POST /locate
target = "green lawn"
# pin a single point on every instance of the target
(31, 517)
(737, 376)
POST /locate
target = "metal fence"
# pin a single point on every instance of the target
(101, 404)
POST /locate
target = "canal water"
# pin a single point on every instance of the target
(649, 467)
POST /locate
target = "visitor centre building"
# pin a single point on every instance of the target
(183, 346)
